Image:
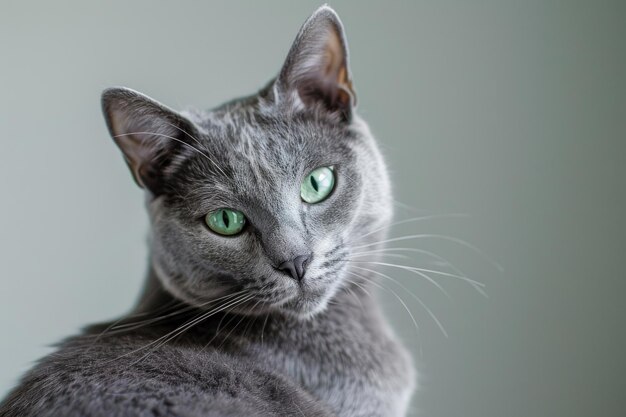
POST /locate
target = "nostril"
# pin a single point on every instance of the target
(295, 267)
(300, 263)
(290, 268)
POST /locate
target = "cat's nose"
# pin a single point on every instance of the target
(295, 267)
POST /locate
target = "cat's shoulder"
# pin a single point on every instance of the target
(124, 375)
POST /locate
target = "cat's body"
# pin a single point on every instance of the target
(343, 363)
(226, 326)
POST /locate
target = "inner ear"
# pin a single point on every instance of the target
(149, 135)
(317, 66)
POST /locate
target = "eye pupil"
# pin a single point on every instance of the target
(314, 183)
(318, 185)
(227, 222)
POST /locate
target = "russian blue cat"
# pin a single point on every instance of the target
(251, 305)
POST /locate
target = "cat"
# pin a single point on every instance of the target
(252, 306)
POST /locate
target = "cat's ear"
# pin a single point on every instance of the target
(316, 68)
(148, 133)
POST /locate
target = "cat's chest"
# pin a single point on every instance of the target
(356, 372)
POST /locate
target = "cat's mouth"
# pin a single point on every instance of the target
(308, 297)
(296, 300)
(311, 295)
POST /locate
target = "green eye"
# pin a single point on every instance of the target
(317, 185)
(225, 221)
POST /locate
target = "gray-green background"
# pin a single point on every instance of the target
(512, 112)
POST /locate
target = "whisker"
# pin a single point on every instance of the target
(251, 323)
(415, 297)
(407, 207)
(445, 262)
(424, 270)
(111, 326)
(414, 219)
(267, 316)
(416, 271)
(392, 292)
(217, 329)
(352, 293)
(362, 288)
(392, 255)
(188, 324)
(236, 325)
(436, 236)
(136, 325)
(406, 308)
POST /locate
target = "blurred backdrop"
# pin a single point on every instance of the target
(510, 112)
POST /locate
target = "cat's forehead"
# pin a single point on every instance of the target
(243, 134)
(245, 155)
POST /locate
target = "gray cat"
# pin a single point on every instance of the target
(252, 306)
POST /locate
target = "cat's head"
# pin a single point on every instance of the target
(268, 194)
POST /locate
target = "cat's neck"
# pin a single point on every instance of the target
(153, 296)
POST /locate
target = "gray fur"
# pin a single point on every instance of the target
(319, 347)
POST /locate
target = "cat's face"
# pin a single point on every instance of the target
(266, 195)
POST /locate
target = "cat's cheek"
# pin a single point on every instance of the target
(181, 286)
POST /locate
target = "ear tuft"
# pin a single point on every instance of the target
(317, 67)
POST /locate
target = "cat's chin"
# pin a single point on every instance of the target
(306, 306)
(304, 310)
(298, 307)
